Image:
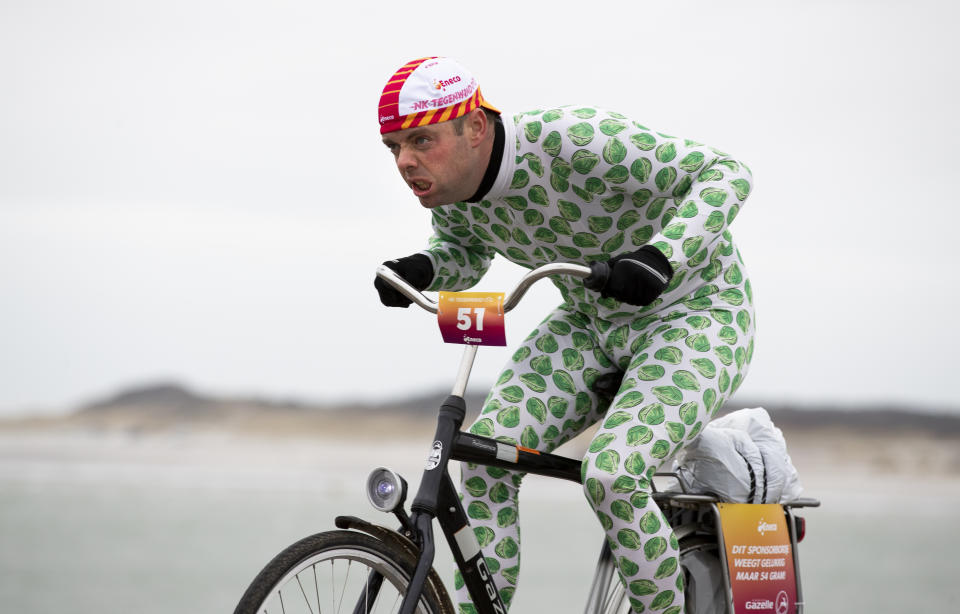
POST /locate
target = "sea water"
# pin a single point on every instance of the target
(180, 523)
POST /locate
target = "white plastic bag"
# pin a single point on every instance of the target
(723, 462)
(741, 457)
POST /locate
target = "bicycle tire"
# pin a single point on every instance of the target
(328, 572)
(704, 588)
(703, 582)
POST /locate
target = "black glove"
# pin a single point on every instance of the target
(636, 278)
(417, 270)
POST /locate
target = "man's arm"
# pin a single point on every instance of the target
(704, 208)
(454, 260)
(696, 191)
(459, 258)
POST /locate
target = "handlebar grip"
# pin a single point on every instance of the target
(599, 274)
(510, 300)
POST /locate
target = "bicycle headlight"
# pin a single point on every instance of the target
(385, 489)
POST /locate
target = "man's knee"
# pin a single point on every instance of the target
(607, 476)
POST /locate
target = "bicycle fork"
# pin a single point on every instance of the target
(437, 498)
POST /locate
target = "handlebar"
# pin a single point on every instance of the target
(510, 300)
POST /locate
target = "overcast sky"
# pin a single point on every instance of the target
(196, 190)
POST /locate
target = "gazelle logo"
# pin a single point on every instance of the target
(488, 584)
(763, 527)
(783, 603)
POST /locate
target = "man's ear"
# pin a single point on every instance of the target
(477, 126)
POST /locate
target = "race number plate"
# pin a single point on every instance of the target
(759, 558)
(472, 318)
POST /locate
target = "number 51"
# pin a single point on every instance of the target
(463, 317)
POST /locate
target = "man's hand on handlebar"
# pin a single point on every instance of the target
(637, 278)
(417, 270)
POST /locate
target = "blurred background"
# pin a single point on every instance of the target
(194, 197)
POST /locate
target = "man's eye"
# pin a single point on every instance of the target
(421, 140)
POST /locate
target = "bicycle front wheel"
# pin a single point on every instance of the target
(337, 572)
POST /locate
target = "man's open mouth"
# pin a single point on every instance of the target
(420, 187)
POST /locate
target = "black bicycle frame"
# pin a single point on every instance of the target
(437, 498)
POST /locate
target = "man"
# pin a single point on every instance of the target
(580, 184)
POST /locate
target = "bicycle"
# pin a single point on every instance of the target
(395, 566)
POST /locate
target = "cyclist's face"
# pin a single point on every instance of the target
(439, 165)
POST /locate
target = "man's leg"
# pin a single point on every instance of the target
(680, 375)
(541, 400)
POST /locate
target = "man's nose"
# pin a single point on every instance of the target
(406, 160)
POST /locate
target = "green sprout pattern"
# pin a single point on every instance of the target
(581, 185)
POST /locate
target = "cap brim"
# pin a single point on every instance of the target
(490, 107)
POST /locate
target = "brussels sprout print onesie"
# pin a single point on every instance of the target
(578, 185)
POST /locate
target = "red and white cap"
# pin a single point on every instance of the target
(428, 91)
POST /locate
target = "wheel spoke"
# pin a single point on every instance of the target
(344, 591)
(333, 588)
(356, 563)
(304, 593)
(316, 585)
(366, 594)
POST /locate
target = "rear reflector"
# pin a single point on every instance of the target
(800, 527)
